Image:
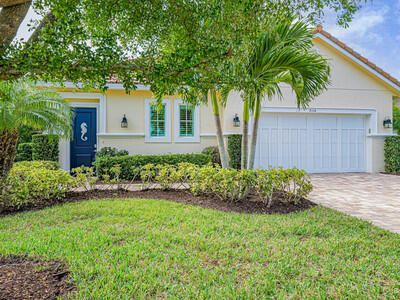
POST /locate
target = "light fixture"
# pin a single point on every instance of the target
(236, 121)
(387, 123)
(124, 122)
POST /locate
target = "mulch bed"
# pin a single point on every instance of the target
(23, 278)
(181, 196)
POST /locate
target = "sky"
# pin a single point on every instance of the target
(374, 33)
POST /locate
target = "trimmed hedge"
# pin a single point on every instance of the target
(130, 163)
(24, 152)
(213, 152)
(235, 150)
(45, 147)
(110, 151)
(392, 154)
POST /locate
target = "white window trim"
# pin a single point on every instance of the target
(157, 139)
(196, 123)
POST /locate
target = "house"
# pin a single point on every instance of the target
(342, 131)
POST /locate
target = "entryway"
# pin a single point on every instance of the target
(84, 141)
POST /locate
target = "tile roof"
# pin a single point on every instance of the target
(357, 55)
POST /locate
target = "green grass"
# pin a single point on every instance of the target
(121, 249)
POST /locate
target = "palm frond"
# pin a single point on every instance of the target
(285, 54)
(21, 103)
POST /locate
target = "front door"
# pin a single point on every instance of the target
(83, 143)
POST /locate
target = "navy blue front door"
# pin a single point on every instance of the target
(83, 143)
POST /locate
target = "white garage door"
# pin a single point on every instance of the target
(316, 143)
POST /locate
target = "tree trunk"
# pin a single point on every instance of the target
(220, 136)
(245, 135)
(11, 17)
(8, 150)
(254, 136)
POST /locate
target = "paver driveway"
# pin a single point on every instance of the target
(373, 197)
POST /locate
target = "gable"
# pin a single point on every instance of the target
(350, 72)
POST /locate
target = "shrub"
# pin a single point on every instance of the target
(45, 147)
(229, 184)
(235, 150)
(225, 184)
(112, 152)
(291, 185)
(24, 152)
(37, 164)
(85, 178)
(28, 186)
(213, 152)
(132, 163)
(392, 154)
(396, 117)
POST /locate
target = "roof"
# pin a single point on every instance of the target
(349, 50)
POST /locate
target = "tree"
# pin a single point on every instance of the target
(158, 42)
(21, 104)
(283, 54)
(216, 103)
(167, 44)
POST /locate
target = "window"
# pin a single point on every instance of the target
(186, 122)
(157, 121)
(186, 119)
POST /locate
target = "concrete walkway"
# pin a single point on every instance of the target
(373, 197)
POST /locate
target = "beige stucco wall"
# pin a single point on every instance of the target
(132, 105)
(351, 87)
(137, 145)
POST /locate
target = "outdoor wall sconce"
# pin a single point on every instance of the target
(124, 122)
(236, 121)
(387, 123)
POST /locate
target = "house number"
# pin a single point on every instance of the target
(84, 132)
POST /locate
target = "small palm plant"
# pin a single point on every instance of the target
(282, 55)
(22, 104)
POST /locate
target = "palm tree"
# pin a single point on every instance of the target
(283, 54)
(21, 104)
(218, 100)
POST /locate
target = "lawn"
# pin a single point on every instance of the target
(120, 249)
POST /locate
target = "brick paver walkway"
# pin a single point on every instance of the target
(373, 197)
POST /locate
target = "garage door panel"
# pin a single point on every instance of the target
(315, 143)
(292, 122)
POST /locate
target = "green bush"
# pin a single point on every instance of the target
(213, 152)
(109, 151)
(235, 150)
(37, 164)
(290, 185)
(392, 154)
(45, 147)
(30, 183)
(396, 117)
(24, 152)
(131, 163)
(85, 178)
(225, 184)
(287, 185)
